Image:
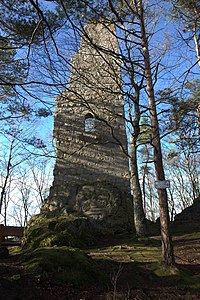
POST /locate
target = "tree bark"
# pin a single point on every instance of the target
(195, 35)
(8, 168)
(139, 217)
(198, 117)
(197, 48)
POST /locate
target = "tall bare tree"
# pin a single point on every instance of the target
(188, 14)
(167, 247)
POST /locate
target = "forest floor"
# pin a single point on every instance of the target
(133, 270)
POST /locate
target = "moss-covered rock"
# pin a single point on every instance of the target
(70, 231)
(63, 264)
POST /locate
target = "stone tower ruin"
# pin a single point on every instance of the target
(91, 173)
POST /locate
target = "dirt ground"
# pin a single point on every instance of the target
(129, 281)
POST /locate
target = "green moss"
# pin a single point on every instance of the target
(192, 236)
(15, 277)
(165, 271)
(62, 231)
(146, 254)
(178, 276)
(144, 249)
(135, 249)
(63, 264)
(187, 278)
(47, 240)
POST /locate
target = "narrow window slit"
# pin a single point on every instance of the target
(89, 123)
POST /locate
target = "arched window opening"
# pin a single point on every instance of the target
(89, 123)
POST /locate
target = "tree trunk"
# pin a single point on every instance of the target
(167, 247)
(8, 168)
(198, 117)
(197, 48)
(150, 186)
(139, 217)
(144, 189)
(195, 35)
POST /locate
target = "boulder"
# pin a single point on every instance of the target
(190, 214)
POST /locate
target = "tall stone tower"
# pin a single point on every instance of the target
(91, 174)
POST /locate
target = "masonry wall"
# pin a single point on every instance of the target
(98, 157)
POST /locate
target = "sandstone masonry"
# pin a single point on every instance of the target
(91, 174)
